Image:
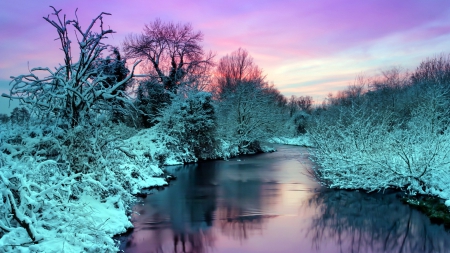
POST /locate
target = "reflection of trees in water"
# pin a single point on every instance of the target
(192, 215)
(194, 241)
(362, 222)
(179, 218)
(163, 240)
(241, 211)
(234, 222)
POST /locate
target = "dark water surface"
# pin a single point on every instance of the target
(267, 203)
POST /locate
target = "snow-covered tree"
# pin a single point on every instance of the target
(115, 68)
(248, 116)
(78, 87)
(151, 99)
(249, 109)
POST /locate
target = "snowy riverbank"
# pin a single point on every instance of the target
(51, 209)
(72, 190)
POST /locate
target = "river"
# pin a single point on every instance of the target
(268, 203)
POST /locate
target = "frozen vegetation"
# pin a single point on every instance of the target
(50, 207)
(389, 132)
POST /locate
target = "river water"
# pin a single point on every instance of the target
(268, 203)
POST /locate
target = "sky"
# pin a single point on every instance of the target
(304, 47)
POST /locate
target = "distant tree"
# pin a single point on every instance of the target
(433, 71)
(302, 103)
(299, 110)
(19, 115)
(354, 94)
(235, 69)
(4, 118)
(73, 90)
(173, 53)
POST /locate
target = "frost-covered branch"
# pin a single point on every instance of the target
(78, 87)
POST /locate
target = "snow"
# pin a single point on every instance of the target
(70, 212)
(301, 140)
(358, 149)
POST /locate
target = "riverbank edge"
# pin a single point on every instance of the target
(432, 206)
(141, 195)
(168, 177)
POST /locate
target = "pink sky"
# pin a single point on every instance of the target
(305, 47)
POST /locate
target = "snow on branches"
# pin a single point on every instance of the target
(74, 89)
(357, 147)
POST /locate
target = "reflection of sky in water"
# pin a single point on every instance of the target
(266, 203)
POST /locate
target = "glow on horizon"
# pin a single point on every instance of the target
(305, 47)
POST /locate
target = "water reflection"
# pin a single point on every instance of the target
(362, 222)
(265, 203)
(241, 212)
(179, 219)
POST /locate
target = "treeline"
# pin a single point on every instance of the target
(199, 106)
(387, 132)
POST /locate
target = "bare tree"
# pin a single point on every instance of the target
(74, 89)
(172, 51)
(433, 71)
(236, 69)
(302, 103)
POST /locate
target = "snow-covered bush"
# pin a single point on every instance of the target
(46, 206)
(357, 147)
(4, 118)
(189, 123)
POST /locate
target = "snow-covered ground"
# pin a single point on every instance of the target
(302, 140)
(65, 211)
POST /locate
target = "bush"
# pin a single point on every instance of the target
(363, 145)
(4, 118)
(20, 115)
(152, 98)
(191, 122)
